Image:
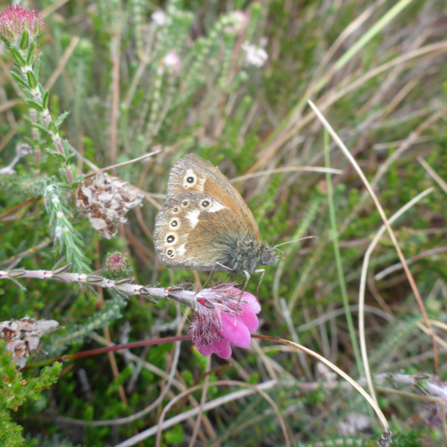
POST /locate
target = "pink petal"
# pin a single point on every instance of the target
(248, 301)
(222, 349)
(205, 350)
(250, 320)
(235, 331)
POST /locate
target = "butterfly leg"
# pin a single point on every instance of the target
(247, 278)
(262, 272)
(226, 269)
(206, 282)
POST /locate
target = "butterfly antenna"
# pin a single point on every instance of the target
(295, 240)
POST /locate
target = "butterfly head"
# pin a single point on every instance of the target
(268, 256)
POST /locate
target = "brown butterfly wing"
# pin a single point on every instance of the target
(207, 179)
(189, 223)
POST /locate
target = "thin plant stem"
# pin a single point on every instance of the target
(341, 373)
(202, 403)
(363, 278)
(338, 261)
(411, 280)
(78, 355)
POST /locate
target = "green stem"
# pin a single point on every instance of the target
(341, 277)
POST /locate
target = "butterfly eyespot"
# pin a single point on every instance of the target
(190, 179)
(175, 210)
(205, 203)
(170, 239)
(170, 253)
(185, 203)
(174, 223)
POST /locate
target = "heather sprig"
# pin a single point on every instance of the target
(65, 235)
(18, 29)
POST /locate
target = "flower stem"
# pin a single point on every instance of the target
(113, 348)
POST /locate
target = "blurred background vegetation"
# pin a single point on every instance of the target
(378, 77)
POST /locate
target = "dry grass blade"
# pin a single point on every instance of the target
(208, 406)
(139, 414)
(202, 403)
(442, 184)
(387, 224)
(63, 62)
(288, 169)
(398, 266)
(363, 278)
(125, 163)
(341, 373)
(204, 408)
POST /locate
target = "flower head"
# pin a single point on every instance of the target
(105, 201)
(15, 20)
(220, 321)
(118, 263)
(160, 18)
(256, 56)
(23, 336)
(238, 21)
(173, 63)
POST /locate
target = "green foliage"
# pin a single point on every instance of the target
(15, 390)
(101, 319)
(117, 90)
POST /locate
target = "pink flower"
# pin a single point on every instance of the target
(15, 20)
(220, 322)
(238, 20)
(173, 63)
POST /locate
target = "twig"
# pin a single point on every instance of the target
(17, 207)
(202, 403)
(287, 169)
(295, 337)
(387, 224)
(425, 398)
(139, 414)
(54, 7)
(256, 388)
(115, 47)
(62, 63)
(442, 184)
(398, 266)
(45, 243)
(187, 414)
(125, 163)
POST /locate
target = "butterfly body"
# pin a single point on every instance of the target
(205, 224)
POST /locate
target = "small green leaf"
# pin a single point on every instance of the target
(45, 99)
(32, 81)
(30, 53)
(6, 42)
(19, 79)
(40, 127)
(52, 127)
(35, 105)
(25, 40)
(17, 57)
(37, 69)
(61, 119)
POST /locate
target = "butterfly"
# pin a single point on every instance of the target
(206, 225)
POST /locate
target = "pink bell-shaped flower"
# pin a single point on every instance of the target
(220, 321)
